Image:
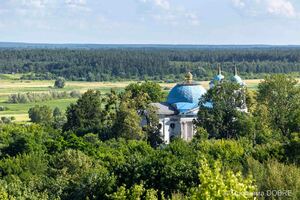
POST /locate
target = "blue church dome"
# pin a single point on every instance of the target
(186, 93)
(218, 77)
(237, 79)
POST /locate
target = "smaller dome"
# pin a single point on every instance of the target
(237, 79)
(218, 78)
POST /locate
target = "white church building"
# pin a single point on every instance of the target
(177, 114)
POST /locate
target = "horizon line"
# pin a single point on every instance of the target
(162, 44)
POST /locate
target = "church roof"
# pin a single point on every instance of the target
(237, 79)
(186, 93)
(185, 96)
(182, 98)
(164, 108)
(183, 107)
(219, 77)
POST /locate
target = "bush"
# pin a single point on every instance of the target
(7, 120)
(40, 114)
(3, 108)
(60, 82)
(75, 94)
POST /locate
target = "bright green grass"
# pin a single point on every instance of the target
(10, 76)
(20, 111)
(7, 91)
(23, 108)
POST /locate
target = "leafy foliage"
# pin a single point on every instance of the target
(281, 96)
(103, 152)
(40, 114)
(215, 185)
(224, 120)
(60, 82)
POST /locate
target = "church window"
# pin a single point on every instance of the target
(159, 126)
(172, 125)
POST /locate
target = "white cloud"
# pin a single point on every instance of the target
(76, 3)
(281, 7)
(163, 4)
(284, 8)
(165, 12)
(238, 3)
(30, 3)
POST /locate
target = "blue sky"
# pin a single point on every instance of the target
(151, 21)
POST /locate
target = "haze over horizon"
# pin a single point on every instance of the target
(192, 22)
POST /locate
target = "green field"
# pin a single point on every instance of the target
(8, 87)
(9, 84)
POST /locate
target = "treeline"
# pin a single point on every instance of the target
(30, 97)
(146, 63)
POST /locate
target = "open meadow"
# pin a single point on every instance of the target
(12, 85)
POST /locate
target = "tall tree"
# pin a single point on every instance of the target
(88, 114)
(153, 90)
(281, 96)
(223, 119)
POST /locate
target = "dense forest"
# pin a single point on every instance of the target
(152, 63)
(98, 149)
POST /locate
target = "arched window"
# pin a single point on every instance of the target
(172, 125)
(159, 126)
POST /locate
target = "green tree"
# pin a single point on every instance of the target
(40, 114)
(88, 114)
(80, 176)
(280, 95)
(58, 118)
(153, 90)
(57, 112)
(136, 192)
(224, 119)
(217, 185)
(293, 149)
(128, 122)
(272, 175)
(60, 82)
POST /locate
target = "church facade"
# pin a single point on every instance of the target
(177, 114)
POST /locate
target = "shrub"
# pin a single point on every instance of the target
(60, 82)
(7, 120)
(40, 114)
(3, 108)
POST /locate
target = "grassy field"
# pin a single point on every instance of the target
(10, 85)
(19, 111)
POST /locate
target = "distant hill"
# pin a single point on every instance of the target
(20, 45)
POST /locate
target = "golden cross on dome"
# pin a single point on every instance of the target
(189, 77)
